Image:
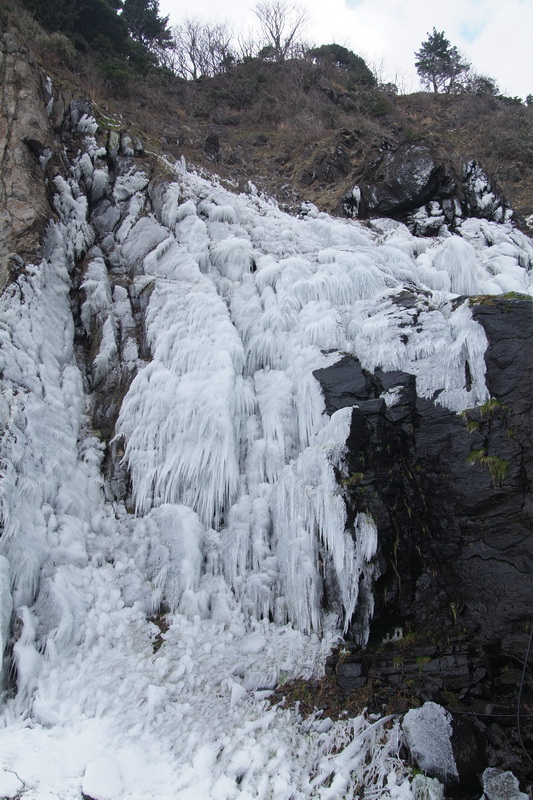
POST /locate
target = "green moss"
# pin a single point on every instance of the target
(516, 296)
(482, 300)
(497, 467)
(487, 409)
(422, 661)
(354, 479)
(453, 609)
(492, 299)
(475, 456)
(492, 405)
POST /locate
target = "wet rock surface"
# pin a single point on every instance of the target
(453, 600)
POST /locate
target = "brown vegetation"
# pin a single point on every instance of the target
(301, 130)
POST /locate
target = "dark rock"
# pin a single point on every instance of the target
(212, 145)
(404, 179)
(328, 167)
(351, 676)
(455, 553)
(416, 183)
(344, 384)
(469, 750)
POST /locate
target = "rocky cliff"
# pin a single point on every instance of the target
(24, 137)
(451, 497)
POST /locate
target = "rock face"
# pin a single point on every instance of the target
(448, 491)
(24, 138)
(415, 183)
(450, 495)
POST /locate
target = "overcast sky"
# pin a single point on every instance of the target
(494, 35)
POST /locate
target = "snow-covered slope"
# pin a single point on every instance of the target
(234, 519)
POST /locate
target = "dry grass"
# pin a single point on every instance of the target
(302, 111)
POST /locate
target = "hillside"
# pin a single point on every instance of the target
(301, 131)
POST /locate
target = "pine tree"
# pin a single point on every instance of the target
(89, 23)
(99, 24)
(439, 65)
(144, 23)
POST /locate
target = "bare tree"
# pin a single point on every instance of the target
(282, 26)
(248, 45)
(201, 48)
(397, 82)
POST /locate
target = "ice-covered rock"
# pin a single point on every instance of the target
(191, 365)
(428, 732)
(501, 785)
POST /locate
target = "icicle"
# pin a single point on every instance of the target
(178, 419)
(309, 520)
(107, 352)
(233, 257)
(6, 607)
(27, 659)
(174, 557)
(458, 259)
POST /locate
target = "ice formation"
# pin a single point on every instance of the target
(236, 522)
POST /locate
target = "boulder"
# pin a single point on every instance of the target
(428, 732)
(416, 183)
(501, 785)
(404, 179)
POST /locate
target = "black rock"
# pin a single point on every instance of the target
(455, 552)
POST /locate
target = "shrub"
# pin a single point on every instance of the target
(61, 47)
(343, 59)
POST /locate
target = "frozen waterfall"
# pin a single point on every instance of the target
(214, 309)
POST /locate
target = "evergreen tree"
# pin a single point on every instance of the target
(54, 15)
(144, 23)
(99, 24)
(344, 59)
(89, 23)
(439, 65)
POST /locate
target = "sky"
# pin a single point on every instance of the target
(494, 36)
